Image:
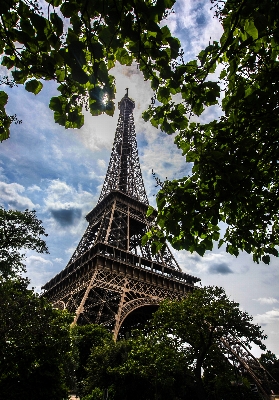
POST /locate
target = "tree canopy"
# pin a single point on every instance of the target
(198, 323)
(35, 344)
(179, 354)
(18, 231)
(76, 43)
(85, 338)
(35, 341)
(235, 172)
(271, 364)
(234, 158)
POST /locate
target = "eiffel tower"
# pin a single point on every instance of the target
(112, 278)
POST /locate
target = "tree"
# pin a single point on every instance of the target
(85, 338)
(133, 369)
(271, 364)
(157, 367)
(101, 377)
(235, 170)
(178, 354)
(35, 342)
(76, 43)
(18, 231)
(196, 325)
(35, 345)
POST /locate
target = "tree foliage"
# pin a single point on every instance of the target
(196, 326)
(35, 345)
(18, 231)
(85, 338)
(35, 342)
(76, 43)
(178, 355)
(235, 158)
(271, 364)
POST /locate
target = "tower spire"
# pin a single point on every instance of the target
(124, 173)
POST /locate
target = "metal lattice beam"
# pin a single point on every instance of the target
(244, 360)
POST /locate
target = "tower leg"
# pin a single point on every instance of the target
(85, 296)
(119, 312)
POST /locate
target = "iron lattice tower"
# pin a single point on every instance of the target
(112, 278)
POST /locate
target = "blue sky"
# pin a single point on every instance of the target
(59, 173)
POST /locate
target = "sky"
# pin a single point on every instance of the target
(60, 173)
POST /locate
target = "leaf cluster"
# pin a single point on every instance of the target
(77, 43)
(18, 231)
(234, 159)
(135, 369)
(177, 355)
(211, 314)
(35, 344)
(271, 364)
(85, 338)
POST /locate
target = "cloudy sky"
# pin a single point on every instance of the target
(59, 173)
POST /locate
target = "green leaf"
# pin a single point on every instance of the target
(20, 76)
(251, 29)
(150, 211)
(123, 57)
(144, 239)
(69, 8)
(266, 259)
(55, 104)
(102, 72)
(163, 95)
(174, 45)
(3, 99)
(76, 50)
(79, 75)
(60, 118)
(57, 22)
(165, 32)
(34, 86)
(223, 73)
(97, 50)
(27, 27)
(146, 115)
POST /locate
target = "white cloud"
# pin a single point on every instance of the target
(267, 300)
(11, 195)
(58, 189)
(102, 164)
(57, 152)
(97, 132)
(40, 269)
(60, 193)
(2, 172)
(195, 25)
(34, 188)
(268, 317)
(58, 260)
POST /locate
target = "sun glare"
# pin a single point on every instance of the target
(105, 99)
